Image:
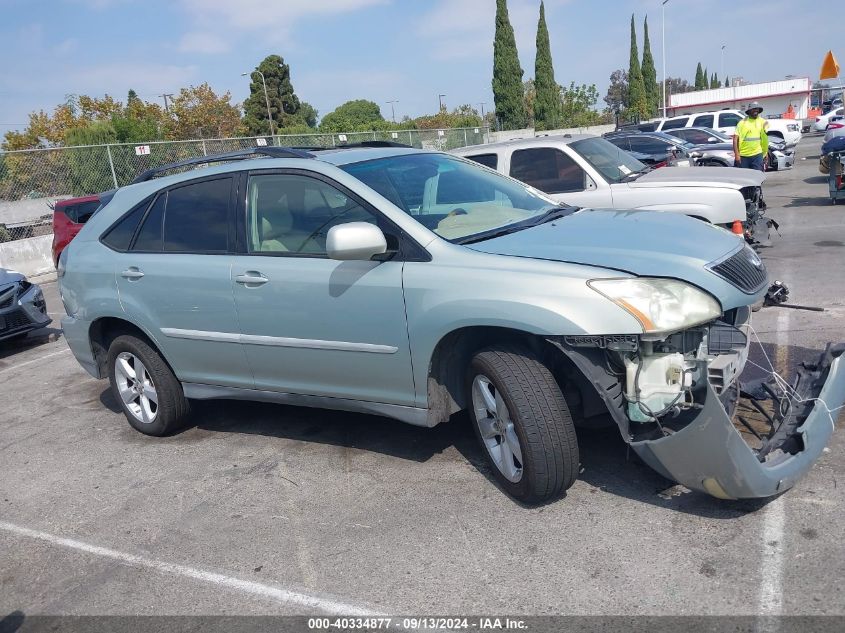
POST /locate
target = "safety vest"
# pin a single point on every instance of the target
(752, 136)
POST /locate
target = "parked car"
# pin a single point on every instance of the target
(414, 284)
(589, 171)
(22, 306)
(715, 149)
(725, 121)
(659, 149)
(68, 218)
(822, 121)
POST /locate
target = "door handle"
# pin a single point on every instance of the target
(251, 278)
(132, 273)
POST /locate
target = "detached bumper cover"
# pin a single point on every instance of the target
(709, 455)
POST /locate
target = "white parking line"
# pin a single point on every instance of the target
(34, 360)
(277, 594)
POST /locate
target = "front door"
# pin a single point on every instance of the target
(311, 325)
(558, 174)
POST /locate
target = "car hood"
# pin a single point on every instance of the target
(9, 276)
(730, 177)
(642, 243)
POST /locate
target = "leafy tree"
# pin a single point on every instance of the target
(676, 85)
(198, 112)
(132, 98)
(284, 104)
(89, 166)
(529, 92)
(547, 100)
(462, 116)
(617, 92)
(359, 114)
(577, 105)
(308, 114)
(699, 77)
(507, 73)
(652, 91)
(637, 100)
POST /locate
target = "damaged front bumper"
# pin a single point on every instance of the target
(699, 445)
(710, 455)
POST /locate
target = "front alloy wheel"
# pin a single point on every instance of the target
(496, 428)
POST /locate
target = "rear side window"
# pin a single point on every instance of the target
(647, 145)
(120, 235)
(674, 124)
(703, 120)
(196, 219)
(150, 235)
(488, 160)
(82, 212)
(548, 169)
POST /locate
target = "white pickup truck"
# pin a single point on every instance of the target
(588, 171)
(788, 130)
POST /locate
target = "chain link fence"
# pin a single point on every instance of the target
(32, 181)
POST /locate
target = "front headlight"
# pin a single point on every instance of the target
(660, 305)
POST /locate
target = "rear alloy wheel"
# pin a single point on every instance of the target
(522, 421)
(149, 394)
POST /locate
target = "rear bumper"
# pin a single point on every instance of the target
(709, 455)
(76, 335)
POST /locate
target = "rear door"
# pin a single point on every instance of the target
(174, 281)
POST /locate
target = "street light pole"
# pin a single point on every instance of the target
(266, 98)
(392, 110)
(482, 104)
(663, 16)
(722, 64)
(441, 100)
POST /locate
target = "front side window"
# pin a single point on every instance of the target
(196, 218)
(292, 213)
(488, 160)
(611, 162)
(548, 169)
(693, 136)
(455, 198)
(729, 119)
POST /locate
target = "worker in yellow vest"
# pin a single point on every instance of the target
(751, 143)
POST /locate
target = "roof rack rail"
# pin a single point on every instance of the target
(243, 154)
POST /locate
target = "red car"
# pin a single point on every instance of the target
(68, 218)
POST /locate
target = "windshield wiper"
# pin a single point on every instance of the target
(554, 213)
(636, 174)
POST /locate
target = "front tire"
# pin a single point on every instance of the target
(146, 389)
(521, 419)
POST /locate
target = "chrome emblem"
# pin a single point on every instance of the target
(754, 258)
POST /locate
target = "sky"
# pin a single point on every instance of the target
(382, 50)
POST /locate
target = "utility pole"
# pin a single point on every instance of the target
(441, 101)
(266, 98)
(164, 96)
(482, 104)
(392, 109)
(663, 15)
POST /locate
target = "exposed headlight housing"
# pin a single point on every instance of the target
(660, 305)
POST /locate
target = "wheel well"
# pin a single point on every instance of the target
(453, 353)
(103, 331)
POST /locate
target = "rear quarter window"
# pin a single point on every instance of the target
(119, 236)
(488, 160)
(674, 124)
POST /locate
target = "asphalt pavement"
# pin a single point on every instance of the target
(267, 509)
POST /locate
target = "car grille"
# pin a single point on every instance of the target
(14, 320)
(743, 269)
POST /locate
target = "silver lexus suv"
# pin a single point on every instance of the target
(414, 285)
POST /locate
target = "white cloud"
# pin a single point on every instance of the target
(200, 42)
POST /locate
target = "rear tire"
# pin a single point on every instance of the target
(523, 423)
(146, 389)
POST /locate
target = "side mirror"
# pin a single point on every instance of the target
(355, 241)
(711, 139)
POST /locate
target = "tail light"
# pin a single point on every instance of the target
(835, 126)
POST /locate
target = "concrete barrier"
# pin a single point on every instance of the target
(32, 256)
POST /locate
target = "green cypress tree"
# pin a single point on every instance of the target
(715, 83)
(507, 73)
(699, 74)
(547, 99)
(637, 100)
(705, 79)
(652, 89)
(284, 104)
(727, 82)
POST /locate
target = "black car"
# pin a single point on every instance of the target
(657, 149)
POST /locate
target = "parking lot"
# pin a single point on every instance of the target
(267, 509)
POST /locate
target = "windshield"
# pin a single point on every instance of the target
(455, 198)
(717, 134)
(611, 162)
